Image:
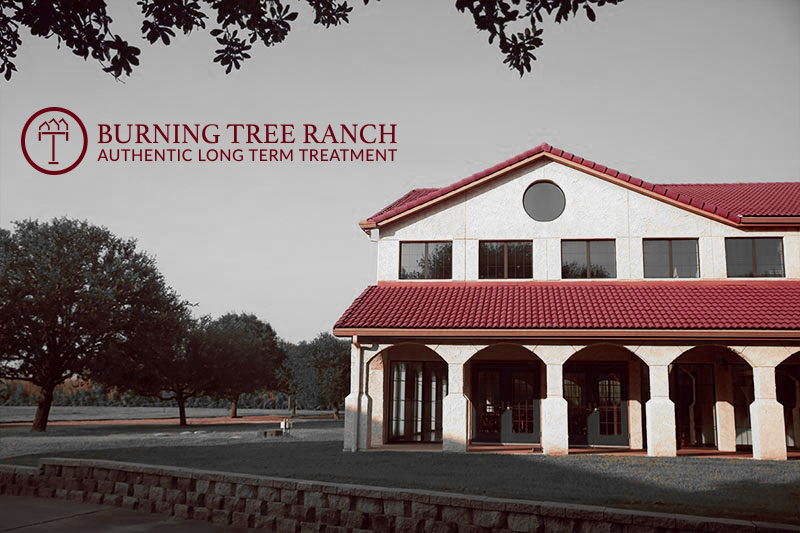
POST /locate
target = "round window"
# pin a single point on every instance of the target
(544, 201)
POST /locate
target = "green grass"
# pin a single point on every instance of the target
(731, 488)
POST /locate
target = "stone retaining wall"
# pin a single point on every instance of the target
(291, 506)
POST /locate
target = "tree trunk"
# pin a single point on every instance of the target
(336, 411)
(235, 408)
(43, 408)
(294, 405)
(181, 409)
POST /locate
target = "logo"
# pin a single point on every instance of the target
(54, 140)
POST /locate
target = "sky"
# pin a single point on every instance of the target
(678, 91)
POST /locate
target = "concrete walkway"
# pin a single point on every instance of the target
(28, 514)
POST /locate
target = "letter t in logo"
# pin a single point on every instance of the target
(53, 128)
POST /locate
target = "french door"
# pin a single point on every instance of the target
(506, 403)
(597, 406)
(417, 389)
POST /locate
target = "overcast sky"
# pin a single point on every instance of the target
(666, 91)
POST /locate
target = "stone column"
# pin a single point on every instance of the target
(636, 440)
(660, 415)
(555, 429)
(375, 387)
(357, 403)
(455, 406)
(766, 416)
(455, 411)
(726, 421)
(555, 432)
(766, 413)
(659, 409)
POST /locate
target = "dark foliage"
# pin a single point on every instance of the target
(166, 361)
(331, 360)
(69, 293)
(83, 26)
(244, 356)
(297, 377)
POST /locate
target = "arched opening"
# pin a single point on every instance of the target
(415, 381)
(787, 382)
(504, 384)
(605, 387)
(712, 389)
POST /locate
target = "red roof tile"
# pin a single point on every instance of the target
(728, 200)
(745, 199)
(578, 305)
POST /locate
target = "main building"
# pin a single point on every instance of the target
(552, 302)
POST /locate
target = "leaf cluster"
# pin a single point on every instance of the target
(84, 27)
(515, 23)
(69, 293)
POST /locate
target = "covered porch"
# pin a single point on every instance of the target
(660, 398)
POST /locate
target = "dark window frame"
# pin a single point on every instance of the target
(669, 251)
(505, 244)
(755, 257)
(426, 264)
(589, 256)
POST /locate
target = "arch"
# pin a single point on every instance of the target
(507, 350)
(410, 389)
(400, 348)
(712, 388)
(606, 351)
(504, 385)
(603, 389)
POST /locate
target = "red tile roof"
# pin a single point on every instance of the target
(749, 304)
(745, 199)
(727, 200)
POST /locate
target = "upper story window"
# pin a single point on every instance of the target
(588, 259)
(426, 260)
(544, 201)
(671, 258)
(760, 257)
(505, 260)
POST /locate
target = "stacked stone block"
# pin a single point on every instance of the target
(296, 506)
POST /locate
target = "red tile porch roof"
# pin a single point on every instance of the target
(728, 201)
(590, 305)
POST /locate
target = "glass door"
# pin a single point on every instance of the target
(489, 405)
(505, 403)
(417, 392)
(597, 407)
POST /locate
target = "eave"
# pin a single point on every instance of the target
(570, 335)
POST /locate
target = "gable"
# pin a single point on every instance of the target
(732, 204)
(594, 209)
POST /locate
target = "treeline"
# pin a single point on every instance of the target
(18, 393)
(78, 302)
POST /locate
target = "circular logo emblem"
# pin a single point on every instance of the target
(54, 140)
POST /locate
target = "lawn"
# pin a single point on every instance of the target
(732, 488)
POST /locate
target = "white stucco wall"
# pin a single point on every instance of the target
(595, 209)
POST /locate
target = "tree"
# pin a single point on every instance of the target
(245, 355)
(331, 360)
(298, 376)
(69, 291)
(85, 27)
(167, 361)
